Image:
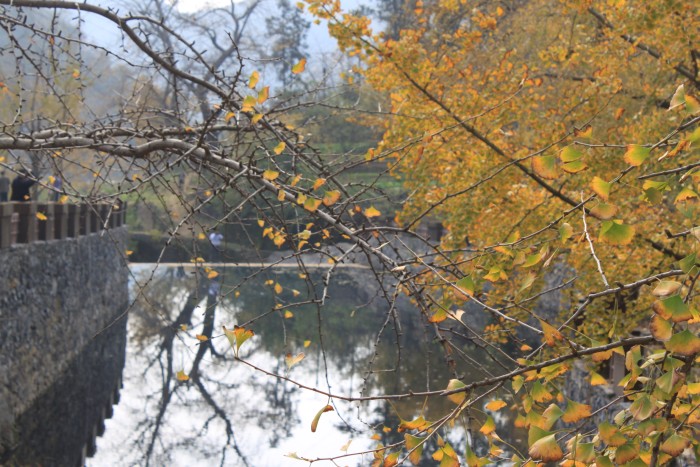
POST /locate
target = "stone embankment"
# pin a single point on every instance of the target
(63, 280)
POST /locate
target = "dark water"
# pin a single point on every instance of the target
(232, 413)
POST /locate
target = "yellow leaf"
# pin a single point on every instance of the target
(458, 397)
(279, 148)
(212, 274)
(312, 204)
(299, 67)
(307, 343)
(264, 94)
(280, 195)
(372, 212)
(248, 103)
(331, 197)
(319, 183)
(288, 314)
(183, 327)
(575, 412)
(256, 118)
(270, 174)
(278, 288)
(290, 360)
(261, 222)
(495, 405)
(253, 81)
(314, 423)
(229, 116)
(546, 449)
(551, 334)
(597, 379)
(41, 216)
(181, 376)
(488, 427)
(201, 236)
(76, 73)
(201, 337)
(129, 252)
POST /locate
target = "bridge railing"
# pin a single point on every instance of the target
(27, 222)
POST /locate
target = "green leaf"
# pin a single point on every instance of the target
(636, 154)
(666, 381)
(642, 407)
(583, 452)
(684, 343)
(570, 154)
(688, 263)
(616, 233)
(677, 309)
(466, 285)
(653, 196)
(536, 433)
(601, 188)
(565, 231)
(248, 103)
(314, 422)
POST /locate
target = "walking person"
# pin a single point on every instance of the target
(215, 238)
(20, 186)
(57, 185)
(4, 186)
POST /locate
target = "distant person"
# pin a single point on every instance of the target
(4, 186)
(215, 238)
(58, 188)
(20, 187)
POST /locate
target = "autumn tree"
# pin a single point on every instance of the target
(555, 142)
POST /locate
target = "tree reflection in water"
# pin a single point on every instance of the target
(230, 414)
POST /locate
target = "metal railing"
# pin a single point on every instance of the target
(27, 222)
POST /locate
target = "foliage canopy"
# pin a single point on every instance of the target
(555, 142)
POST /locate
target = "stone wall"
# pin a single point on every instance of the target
(55, 296)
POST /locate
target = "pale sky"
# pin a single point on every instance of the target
(190, 6)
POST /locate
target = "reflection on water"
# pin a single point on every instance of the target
(61, 427)
(186, 401)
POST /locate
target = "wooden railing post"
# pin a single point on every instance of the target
(60, 221)
(46, 226)
(73, 220)
(8, 224)
(27, 229)
(84, 221)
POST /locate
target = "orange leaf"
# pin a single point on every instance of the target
(299, 67)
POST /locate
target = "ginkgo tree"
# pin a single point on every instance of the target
(554, 141)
